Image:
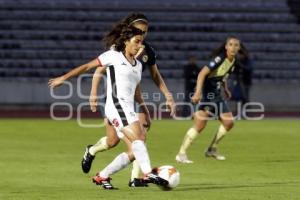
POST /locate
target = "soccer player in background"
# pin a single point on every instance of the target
(208, 91)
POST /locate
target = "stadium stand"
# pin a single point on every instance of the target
(46, 38)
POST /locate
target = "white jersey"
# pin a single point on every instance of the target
(122, 80)
(122, 77)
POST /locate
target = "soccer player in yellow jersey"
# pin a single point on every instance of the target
(208, 92)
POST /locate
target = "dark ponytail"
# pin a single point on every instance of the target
(243, 52)
(115, 32)
(111, 37)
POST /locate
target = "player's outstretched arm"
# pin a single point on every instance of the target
(55, 82)
(158, 80)
(200, 80)
(98, 74)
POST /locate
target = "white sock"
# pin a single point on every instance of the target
(141, 156)
(101, 145)
(219, 136)
(120, 162)
(189, 137)
(136, 170)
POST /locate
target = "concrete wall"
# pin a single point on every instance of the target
(276, 96)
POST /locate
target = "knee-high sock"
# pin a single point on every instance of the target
(136, 170)
(219, 136)
(120, 162)
(101, 145)
(141, 156)
(189, 137)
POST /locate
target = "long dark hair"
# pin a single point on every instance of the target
(243, 52)
(125, 35)
(111, 37)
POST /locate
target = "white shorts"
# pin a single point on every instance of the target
(120, 114)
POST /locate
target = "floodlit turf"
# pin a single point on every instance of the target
(40, 159)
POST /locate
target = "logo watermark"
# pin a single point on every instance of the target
(155, 102)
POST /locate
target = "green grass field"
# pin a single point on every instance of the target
(40, 159)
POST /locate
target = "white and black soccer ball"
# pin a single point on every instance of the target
(170, 174)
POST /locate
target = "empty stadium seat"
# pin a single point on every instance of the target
(46, 38)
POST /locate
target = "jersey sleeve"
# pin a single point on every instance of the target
(151, 55)
(215, 62)
(105, 59)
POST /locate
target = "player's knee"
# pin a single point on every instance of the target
(200, 121)
(130, 156)
(199, 126)
(142, 137)
(112, 142)
(228, 125)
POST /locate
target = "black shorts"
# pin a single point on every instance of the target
(215, 107)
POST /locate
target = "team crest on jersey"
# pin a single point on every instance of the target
(218, 59)
(212, 64)
(145, 58)
(115, 122)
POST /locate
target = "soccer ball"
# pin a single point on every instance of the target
(170, 174)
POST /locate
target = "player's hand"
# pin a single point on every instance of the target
(93, 102)
(55, 82)
(228, 94)
(147, 125)
(196, 98)
(171, 105)
(139, 53)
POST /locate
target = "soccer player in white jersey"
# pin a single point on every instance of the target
(123, 87)
(148, 59)
(208, 92)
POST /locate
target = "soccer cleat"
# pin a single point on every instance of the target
(212, 152)
(182, 158)
(155, 179)
(105, 182)
(138, 182)
(87, 160)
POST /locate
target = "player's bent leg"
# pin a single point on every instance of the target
(103, 144)
(226, 120)
(134, 133)
(199, 124)
(109, 141)
(136, 180)
(200, 120)
(112, 136)
(120, 162)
